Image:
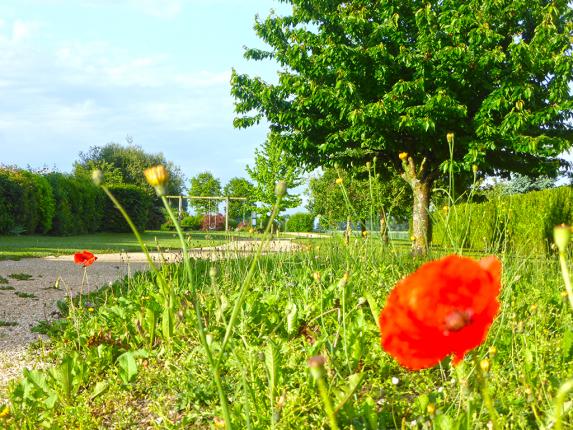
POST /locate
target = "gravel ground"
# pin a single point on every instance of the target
(24, 302)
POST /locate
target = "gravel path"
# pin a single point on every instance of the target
(24, 302)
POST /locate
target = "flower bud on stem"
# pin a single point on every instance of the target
(561, 236)
(316, 365)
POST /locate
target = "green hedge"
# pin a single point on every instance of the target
(26, 202)
(62, 204)
(522, 223)
(134, 200)
(79, 205)
(300, 222)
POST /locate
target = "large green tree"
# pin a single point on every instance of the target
(272, 164)
(365, 78)
(240, 187)
(205, 184)
(124, 164)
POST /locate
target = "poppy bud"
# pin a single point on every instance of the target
(97, 177)
(403, 156)
(561, 235)
(519, 105)
(450, 138)
(157, 177)
(368, 165)
(280, 189)
(316, 365)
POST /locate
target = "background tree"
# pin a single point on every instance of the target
(368, 200)
(205, 185)
(240, 187)
(124, 164)
(273, 164)
(361, 78)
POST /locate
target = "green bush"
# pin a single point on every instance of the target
(522, 223)
(192, 222)
(300, 222)
(134, 200)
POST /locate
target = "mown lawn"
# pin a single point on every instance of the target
(15, 247)
(114, 366)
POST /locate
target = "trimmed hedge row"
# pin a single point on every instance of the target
(62, 204)
(522, 223)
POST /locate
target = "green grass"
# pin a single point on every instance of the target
(16, 247)
(20, 276)
(24, 295)
(8, 323)
(109, 374)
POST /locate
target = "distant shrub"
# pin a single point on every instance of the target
(192, 222)
(522, 223)
(300, 222)
(134, 200)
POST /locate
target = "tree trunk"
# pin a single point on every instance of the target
(420, 216)
(383, 227)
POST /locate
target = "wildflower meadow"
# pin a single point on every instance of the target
(426, 285)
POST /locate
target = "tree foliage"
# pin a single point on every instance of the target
(362, 78)
(205, 184)
(273, 164)
(124, 164)
(240, 187)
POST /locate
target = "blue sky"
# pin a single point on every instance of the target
(79, 73)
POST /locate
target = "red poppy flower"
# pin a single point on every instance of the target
(444, 308)
(85, 258)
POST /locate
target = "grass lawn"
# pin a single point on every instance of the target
(136, 360)
(15, 247)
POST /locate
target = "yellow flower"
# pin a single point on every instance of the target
(5, 412)
(492, 350)
(316, 276)
(431, 408)
(157, 177)
(90, 309)
(450, 137)
(403, 156)
(446, 208)
(365, 233)
(475, 168)
(338, 181)
(485, 365)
